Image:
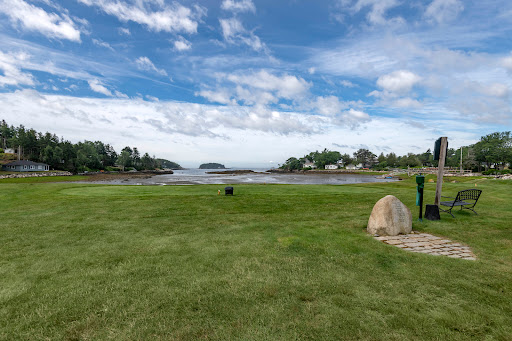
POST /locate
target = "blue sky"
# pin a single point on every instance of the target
(250, 83)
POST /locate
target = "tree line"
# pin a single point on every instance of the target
(61, 154)
(492, 151)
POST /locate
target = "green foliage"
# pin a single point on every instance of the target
(366, 157)
(212, 165)
(494, 149)
(292, 164)
(410, 160)
(163, 163)
(64, 155)
(497, 172)
(125, 159)
(346, 159)
(320, 159)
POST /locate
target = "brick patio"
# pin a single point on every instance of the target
(429, 244)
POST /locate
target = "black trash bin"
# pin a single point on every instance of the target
(228, 190)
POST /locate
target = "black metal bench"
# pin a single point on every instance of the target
(465, 199)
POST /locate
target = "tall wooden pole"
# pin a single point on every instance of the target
(461, 171)
(440, 170)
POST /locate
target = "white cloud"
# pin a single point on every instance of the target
(347, 84)
(152, 98)
(172, 17)
(442, 11)
(234, 33)
(181, 44)
(406, 102)
(189, 133)
(329, 105)
(263, 90)
(497, 90)
(398, 82)
(102, 44)
(507, 63)
(11, 65)
(238, 6)
(120, 94)
(36, 19)
(285, 86)
(357, 115)
(124, 31)
(231, 27)
(376, 10)
(98, 87)
(145, 64)
(222, 96)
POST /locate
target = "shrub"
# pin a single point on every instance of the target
(497, 171)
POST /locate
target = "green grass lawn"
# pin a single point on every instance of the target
(273, 262)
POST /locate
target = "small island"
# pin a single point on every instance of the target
(166, 164)
(212, 166)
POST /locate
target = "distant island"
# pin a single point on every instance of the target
(169, 164)
(212, 166)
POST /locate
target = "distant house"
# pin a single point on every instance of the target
(308, 163)
(9, 151)
(352, 166)
(331, 166)
(25, 166)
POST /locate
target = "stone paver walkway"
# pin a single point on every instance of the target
(429, 244)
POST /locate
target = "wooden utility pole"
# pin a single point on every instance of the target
(461, 171)
(440, 170)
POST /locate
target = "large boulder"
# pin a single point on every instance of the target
(390, 217)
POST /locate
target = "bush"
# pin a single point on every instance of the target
(1, 151)
(496, 171)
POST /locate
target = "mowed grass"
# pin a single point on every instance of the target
(273, 262)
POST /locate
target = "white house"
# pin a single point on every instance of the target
(352, 166)
(308, 163)
(331, 166)
(9, 151)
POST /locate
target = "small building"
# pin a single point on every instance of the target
(9, 151)
(352, 166)
(308, 164)
(331, 166)
(25, 166)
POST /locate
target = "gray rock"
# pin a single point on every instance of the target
(390, 217)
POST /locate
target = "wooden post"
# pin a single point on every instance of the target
(461, 171)
(440, 170)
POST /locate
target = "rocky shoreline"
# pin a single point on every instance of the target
(110, 176)
(34, 175)
(324, 171)
(235, 172)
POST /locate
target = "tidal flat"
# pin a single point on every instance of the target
(258, 176)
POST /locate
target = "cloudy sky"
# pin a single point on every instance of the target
(250, 82)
